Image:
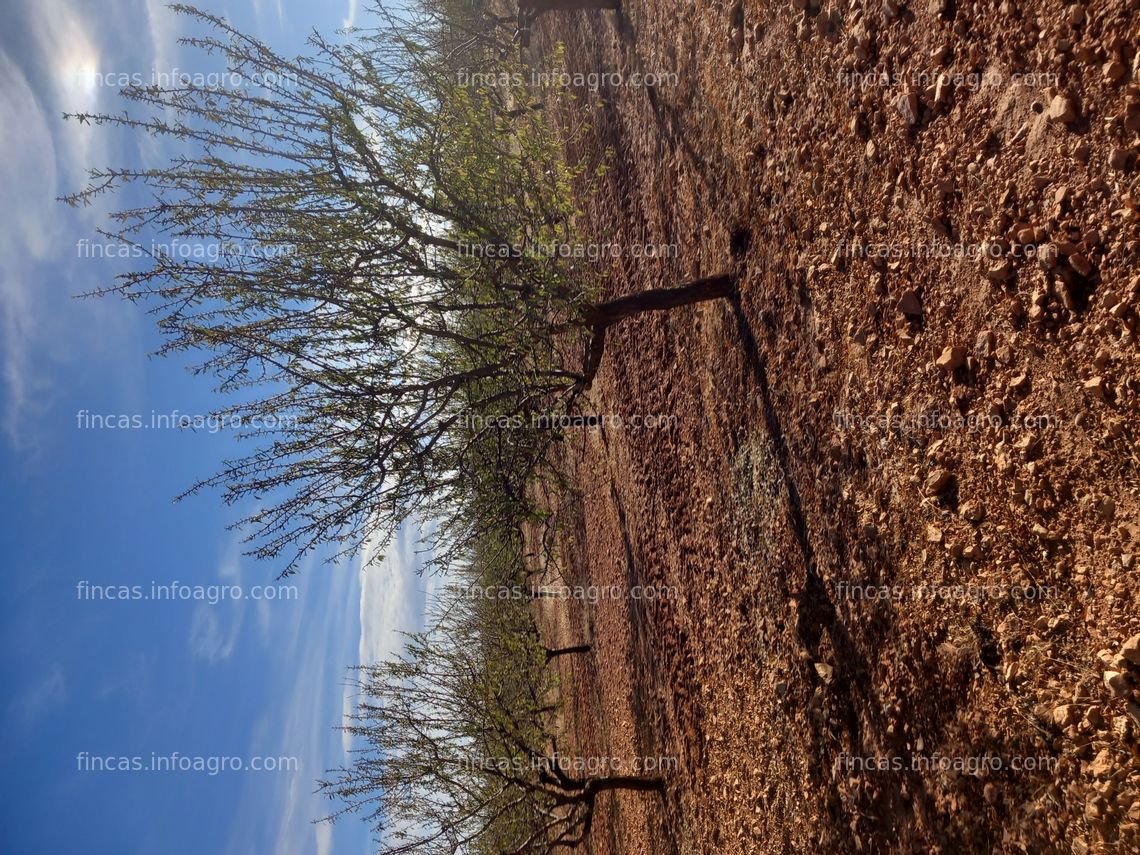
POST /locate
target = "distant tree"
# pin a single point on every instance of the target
(459, 750)
(376, 310)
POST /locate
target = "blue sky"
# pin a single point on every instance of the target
(246, 679)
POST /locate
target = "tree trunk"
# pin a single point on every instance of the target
(604, 315)
(638, 783)
(522, 111)
(659, 299)
(564, 651)
(537, 7)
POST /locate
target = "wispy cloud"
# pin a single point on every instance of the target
(163, 27)
(353, 10)
(43, 696)
(45, 60)
(319, 641)
(64, 39)
(27, 173)
(215, 627)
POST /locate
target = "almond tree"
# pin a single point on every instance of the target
(365, 311)
(459, 753)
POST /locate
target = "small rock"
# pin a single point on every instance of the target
(942, 88)
(972, 511)
(933, 534)
(990, 793)
(1000, 271)
(1096, 808)
(1132, 115)
(907, 106)
(909, 303)
(1112, 71)
(825, 671)
(1061, 109)
(1019, 383)
(1116, 683)
(1131, 649)
(984, 346)
(1133, 710)
(937, 481)
(1106, 508)
(1096, 387)
(1016, 309)
(1080, 263)
(1101, 767)
(952, 358)
(1066, 714)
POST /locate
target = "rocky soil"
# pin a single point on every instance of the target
(896, 498)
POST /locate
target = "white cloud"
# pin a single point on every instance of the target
(392, 598)
(386, 594)
(324, 835)
(353, 9)
(162, 24)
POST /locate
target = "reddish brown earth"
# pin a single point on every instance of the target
(765, 671)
